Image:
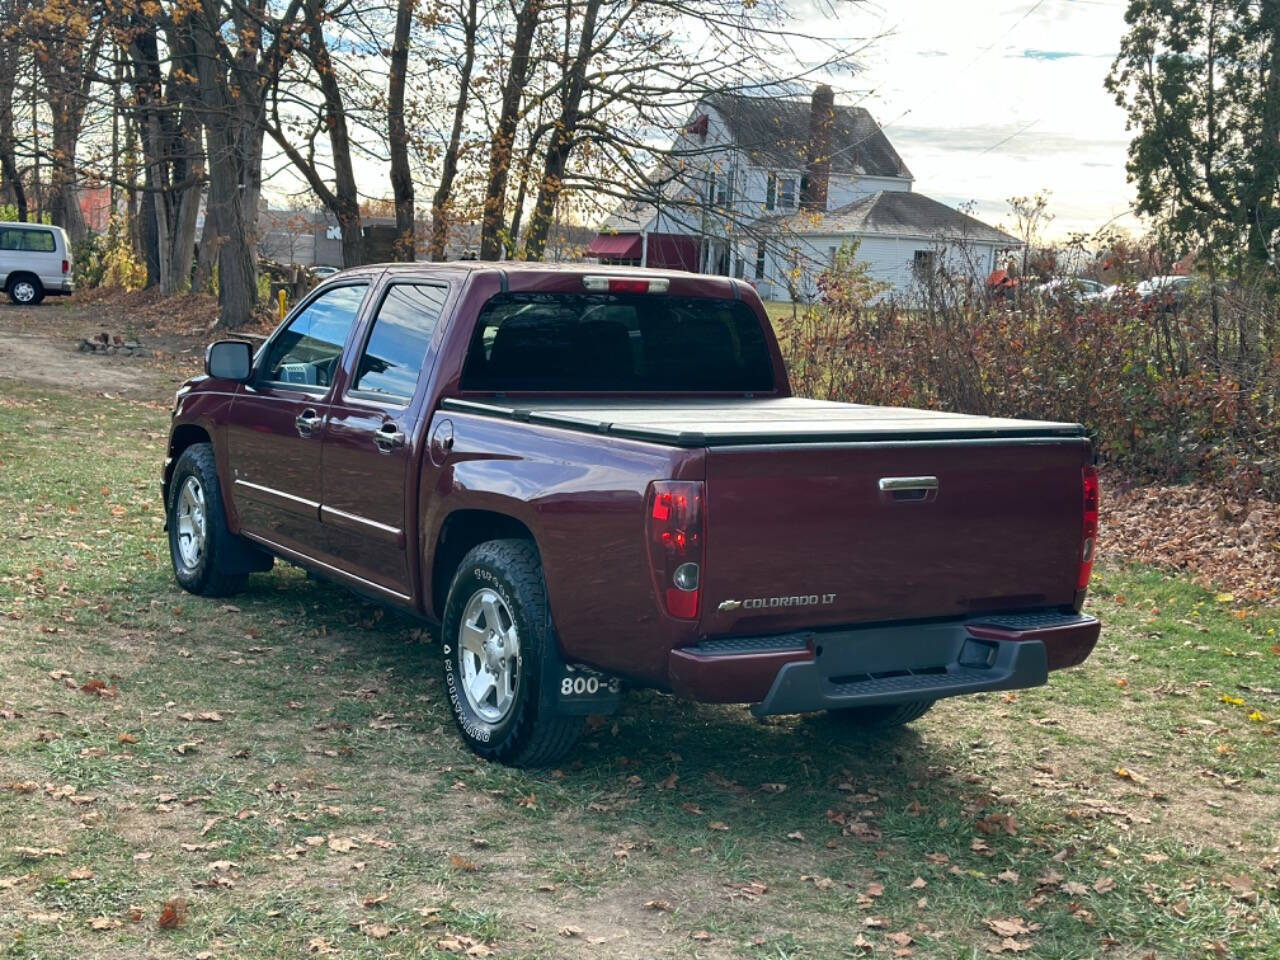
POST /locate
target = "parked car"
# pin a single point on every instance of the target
(324, 272)
(35, 262)
(1169, 291)
(1076, 288)
(587, 477)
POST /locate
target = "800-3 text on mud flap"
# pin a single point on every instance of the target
(574, 689)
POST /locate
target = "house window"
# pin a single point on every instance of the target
(923, 264)
(724, 188)
(760, 260)
(711, 186)
(831, 257)
(771, 192)
(787, 193)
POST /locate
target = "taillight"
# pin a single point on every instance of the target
(599, 284)
(674, 512)
(66, 266)
(1089, 534)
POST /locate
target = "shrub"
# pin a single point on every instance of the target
(1167, 391)
(107, 260)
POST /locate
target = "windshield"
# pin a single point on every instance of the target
(566, 343)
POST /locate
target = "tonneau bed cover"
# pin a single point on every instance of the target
(755, 421)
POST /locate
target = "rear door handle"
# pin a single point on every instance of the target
(891, 484)
(388, 437)
(306, 421)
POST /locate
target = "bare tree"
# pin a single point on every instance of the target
(504, 136)
(397, 136)
(11, 188)
(233, 81)
(440, 202)
(173, 151)
(66, 40)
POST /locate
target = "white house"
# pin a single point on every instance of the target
(768, 189)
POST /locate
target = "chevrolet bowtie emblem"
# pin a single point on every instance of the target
(730, 605)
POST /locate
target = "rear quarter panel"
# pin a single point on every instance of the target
(582, 497)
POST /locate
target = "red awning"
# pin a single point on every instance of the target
(615, 246)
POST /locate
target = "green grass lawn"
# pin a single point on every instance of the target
(284, 763)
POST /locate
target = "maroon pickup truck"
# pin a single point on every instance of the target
(587, 477)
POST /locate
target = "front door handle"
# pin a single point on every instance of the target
(306, 422)
(388, 437)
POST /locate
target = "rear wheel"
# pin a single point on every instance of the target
(883, 716)
(495, 632)
(25, 290)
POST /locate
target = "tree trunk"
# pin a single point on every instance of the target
(221, 114)
(65, 201)
(397, 137)
(562, 138)
(495, 197)
(449, 165)
(207, 254)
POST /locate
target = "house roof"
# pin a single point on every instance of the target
(775, 133)
(895, 213)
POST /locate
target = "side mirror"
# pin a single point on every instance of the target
(229, 360)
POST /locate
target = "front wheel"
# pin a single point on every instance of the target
(883, 716)
(200, 545)
(495, 631)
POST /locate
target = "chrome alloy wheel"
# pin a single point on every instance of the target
(24, 291)
(192, 523)
(489, 655)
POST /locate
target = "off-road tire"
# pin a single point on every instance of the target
(523, 737)
(15, 284)
(883, 716)
(210, 576)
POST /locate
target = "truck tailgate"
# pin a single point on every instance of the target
(804, 535)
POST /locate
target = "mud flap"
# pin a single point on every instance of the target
(574, 689)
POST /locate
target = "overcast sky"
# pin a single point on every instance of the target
(989, 99)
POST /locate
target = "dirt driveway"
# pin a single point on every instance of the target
(40, 346)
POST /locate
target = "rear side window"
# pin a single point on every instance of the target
(307, 353)
(397, 347)
(30, 241)
(616, 342)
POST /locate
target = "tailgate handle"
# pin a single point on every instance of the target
(909, 488)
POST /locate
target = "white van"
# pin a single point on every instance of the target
(35, 262)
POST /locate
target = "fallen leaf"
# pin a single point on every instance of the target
(570, 931)
(173, 914)
(377, 931)
(657, 905)
(700, 935)
(342, 844)
(104, 923)
(717, 825)
(1009, 945)
(670, 782)
(459, 862)
(1105, 885)
(1011, 927)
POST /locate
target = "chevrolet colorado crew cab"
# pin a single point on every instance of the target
(587, 477)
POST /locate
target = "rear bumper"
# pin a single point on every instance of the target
(862, 666)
